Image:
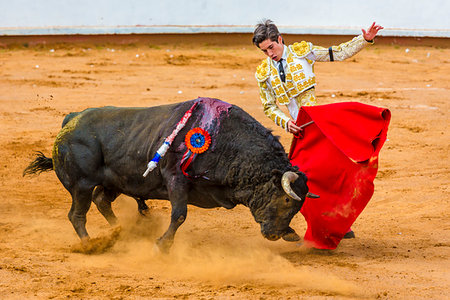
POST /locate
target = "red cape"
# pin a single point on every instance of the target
(338, 152)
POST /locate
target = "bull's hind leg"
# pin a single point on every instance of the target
(102, 198)
(178, 200)
(81, 202)
(142, 207)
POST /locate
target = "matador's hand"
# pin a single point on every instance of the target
(370, 34)
(292, 128)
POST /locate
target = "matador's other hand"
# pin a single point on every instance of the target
(292, 128)
(370, 34)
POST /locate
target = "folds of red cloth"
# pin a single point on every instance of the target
(338, 152)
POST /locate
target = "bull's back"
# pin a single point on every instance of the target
(106, 123)
(104, 144)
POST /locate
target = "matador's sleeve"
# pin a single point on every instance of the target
(341, 52)
(267, 95)
(270, 107)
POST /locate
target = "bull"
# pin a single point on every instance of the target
(101, 153)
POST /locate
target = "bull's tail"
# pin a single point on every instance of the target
(39, 164)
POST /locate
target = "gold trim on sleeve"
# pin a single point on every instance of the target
(301, 49)
(262, 71)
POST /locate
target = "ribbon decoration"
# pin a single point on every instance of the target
(168, 141)
(197, 141)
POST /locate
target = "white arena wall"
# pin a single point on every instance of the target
(413, 18)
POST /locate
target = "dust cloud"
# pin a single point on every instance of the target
(217, 260)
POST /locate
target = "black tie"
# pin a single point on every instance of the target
(281, 71)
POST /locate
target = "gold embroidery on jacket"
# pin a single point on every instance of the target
(298, 82)
(301, 49)
(271, 110)
(262, 71)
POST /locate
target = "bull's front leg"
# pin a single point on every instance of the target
(178, 200)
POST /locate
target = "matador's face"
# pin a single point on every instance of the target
(273, 49)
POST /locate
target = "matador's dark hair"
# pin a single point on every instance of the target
(264, 30)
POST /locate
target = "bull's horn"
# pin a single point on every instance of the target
(286, 180)
(311, 195)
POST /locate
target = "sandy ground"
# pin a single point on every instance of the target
(401, 249)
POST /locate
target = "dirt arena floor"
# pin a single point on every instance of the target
(401, 249)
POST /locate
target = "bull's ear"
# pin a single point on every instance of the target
(277, 172)
(276, 177)
(302, 176)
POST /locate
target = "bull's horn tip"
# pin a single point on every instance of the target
(311, 195)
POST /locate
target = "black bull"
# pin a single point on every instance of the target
(101, 153)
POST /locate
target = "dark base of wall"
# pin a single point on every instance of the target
(206, 39)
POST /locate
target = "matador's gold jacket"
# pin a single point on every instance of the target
(298, 90)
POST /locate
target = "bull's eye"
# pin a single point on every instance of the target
(287, 200)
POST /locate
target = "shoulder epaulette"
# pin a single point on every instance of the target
(301, 49)
(262, 71)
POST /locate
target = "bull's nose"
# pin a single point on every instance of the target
(270, 236)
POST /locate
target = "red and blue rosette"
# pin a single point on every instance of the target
(197, 141)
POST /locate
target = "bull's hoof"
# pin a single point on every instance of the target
(97, 245)
(349, 235)
(291, 237)
(164, 245)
